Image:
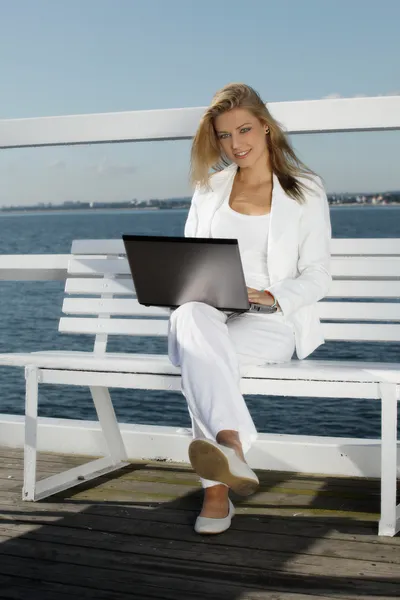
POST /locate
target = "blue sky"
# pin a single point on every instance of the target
(79, 56)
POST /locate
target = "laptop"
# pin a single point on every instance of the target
(170, 271)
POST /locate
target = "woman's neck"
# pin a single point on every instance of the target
(258, 174)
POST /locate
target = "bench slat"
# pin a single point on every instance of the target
(362, 267)
(365, 267)
(99, 266)
(339, 289)
(122, 286)
(364, 247)
(307, 370)
(112, 306)
(359, 311)
(364, 289)
(356, 311)
(159, 327)
(146, 327)
(368, 332)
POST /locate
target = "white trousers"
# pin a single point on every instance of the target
(213, 348)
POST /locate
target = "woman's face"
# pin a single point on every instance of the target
(242, 136)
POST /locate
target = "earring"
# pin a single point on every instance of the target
(267, 131)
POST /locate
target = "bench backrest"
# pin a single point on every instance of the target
(362, 305)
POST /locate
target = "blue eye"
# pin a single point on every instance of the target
(222, 136)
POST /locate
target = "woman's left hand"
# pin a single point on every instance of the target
(258, 297)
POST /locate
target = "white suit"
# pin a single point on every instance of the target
(212, 348)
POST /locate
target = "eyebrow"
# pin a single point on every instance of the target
(240, 126)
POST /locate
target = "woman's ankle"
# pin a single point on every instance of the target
(215, 502)
(219, 491)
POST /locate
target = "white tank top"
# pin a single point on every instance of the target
(252, 234)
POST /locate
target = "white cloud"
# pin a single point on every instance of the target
(107, 168)
(332, 96)
(57, 165)
(336, 95)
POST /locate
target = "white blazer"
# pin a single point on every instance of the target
(298, 249)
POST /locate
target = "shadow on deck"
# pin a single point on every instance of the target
(130, 535)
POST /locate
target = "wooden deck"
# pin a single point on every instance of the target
(130, 535)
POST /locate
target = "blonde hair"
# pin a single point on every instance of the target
(206, 153)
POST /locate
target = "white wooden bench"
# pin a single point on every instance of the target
(363, 305)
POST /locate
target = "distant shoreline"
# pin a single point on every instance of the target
(55, 211)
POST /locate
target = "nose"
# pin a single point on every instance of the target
(235, 142)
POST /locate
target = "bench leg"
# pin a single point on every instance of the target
(389, 523)
(30, 444)
(34, 490)
(109, 424)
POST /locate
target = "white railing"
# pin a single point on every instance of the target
(306, 116)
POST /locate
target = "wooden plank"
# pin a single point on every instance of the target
(46, 591)
(274, 481)
(284, 485)
(156, 471)
(213, 584)
(145, 583)
(284, 497)
(179, 511)
(192, 503)
(145, 551)
(98, 531)
(22, 588)
(281, 494)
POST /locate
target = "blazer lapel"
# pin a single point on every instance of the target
(284, 210)
(285, 215)
(221, 187)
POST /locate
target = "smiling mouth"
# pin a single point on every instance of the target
(242, 154)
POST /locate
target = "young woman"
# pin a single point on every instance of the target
(261, 194)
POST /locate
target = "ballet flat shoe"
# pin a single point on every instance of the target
(207, 525)
(220, 463)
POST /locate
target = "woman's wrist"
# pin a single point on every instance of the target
(274, 300)
(270, 295)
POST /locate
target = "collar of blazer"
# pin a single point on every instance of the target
(284, 210)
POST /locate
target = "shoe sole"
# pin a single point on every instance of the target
(211, 463)
(205, 532)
